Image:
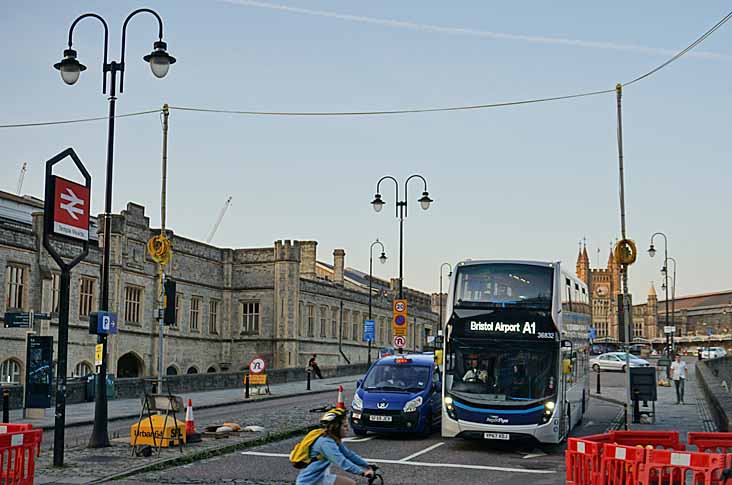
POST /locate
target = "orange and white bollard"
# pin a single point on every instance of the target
(190, 425)
(340, 404)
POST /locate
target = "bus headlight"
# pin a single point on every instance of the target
(548, 411)
(449, 407)
(412, 405)
(357, 403)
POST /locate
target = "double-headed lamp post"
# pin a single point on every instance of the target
(382, 260)
(401, 214)
(70, 69)
(442, 266)
(652, 253)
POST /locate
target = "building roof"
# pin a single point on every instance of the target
(720, 298)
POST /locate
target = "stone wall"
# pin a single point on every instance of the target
(711, 374)
(132, 388)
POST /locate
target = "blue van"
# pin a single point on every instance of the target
(398, 394)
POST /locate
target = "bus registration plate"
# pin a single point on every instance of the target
(375, 417)
(496, 436)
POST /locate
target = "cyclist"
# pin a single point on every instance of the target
(329, 450)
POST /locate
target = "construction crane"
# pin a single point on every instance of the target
(218, 220)
(20, 179)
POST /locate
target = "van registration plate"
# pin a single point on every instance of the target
(496, 436)
(375, 417)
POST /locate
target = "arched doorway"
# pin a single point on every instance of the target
(192, 370)
(129, 365)
(211, 370)
(171, 371)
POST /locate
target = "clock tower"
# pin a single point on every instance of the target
(604, 285)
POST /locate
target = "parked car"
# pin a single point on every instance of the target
(713, 352)
(615, 361)
(398, 394)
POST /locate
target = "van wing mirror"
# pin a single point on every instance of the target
(359, 382)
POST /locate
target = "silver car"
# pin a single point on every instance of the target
(615, 361)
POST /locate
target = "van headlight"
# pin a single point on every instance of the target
(412, 405)
(357, 403)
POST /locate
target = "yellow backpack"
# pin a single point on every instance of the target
(300, 454)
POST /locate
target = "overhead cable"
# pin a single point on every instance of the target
(677, 56)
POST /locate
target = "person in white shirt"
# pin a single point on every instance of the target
(678, 375)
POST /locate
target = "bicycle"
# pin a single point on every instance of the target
(378, 478)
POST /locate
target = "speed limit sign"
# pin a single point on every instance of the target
(400, 342)
(257, 365)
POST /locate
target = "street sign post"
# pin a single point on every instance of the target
(399, 321)
(669, 329)
(98, 353)
(66, 217)
(102, 323)
(39, 375)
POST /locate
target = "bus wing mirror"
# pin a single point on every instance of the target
(567, 344)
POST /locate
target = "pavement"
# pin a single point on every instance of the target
(284, 413)
(692, 415)
(83, 413)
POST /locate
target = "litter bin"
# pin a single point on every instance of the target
(91, 387)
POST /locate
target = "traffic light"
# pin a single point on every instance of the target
(169, 302)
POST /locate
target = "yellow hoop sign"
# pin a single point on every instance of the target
(159, 249)
(626, 252)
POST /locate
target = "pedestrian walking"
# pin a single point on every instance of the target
(313, 364)
(678, 375)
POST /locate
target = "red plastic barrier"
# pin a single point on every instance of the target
(714, 442)
(17, 457)
(582, 460)
(584, 455)
(620, 465)
(13, 428)
(664, 467)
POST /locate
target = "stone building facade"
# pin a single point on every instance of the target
(278, 302)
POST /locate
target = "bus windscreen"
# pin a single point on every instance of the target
(504, 285)
(503, 371)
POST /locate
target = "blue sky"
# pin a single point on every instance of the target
(517, 182)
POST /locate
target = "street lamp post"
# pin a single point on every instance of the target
(442, 266)
(401, 214)
(652, 253)
(673, 293)
(70, 69)
(382, 259)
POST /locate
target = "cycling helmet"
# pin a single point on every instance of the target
(335, 414)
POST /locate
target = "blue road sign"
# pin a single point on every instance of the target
(593, 333)
(709, 331)
(106, 322)
(369, 330)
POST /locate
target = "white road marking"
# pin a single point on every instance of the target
(356, 439)
(534, 455)
(420, 463)
(413, 455)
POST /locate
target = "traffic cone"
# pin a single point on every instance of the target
(340, 404)
(190, 425)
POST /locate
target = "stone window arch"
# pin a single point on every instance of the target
(172, 370)
(83, 369)
(192, 370)
(211, 370)
(10, 371)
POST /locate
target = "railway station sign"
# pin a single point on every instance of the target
(68, 209)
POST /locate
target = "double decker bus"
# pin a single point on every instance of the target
(516, 351)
